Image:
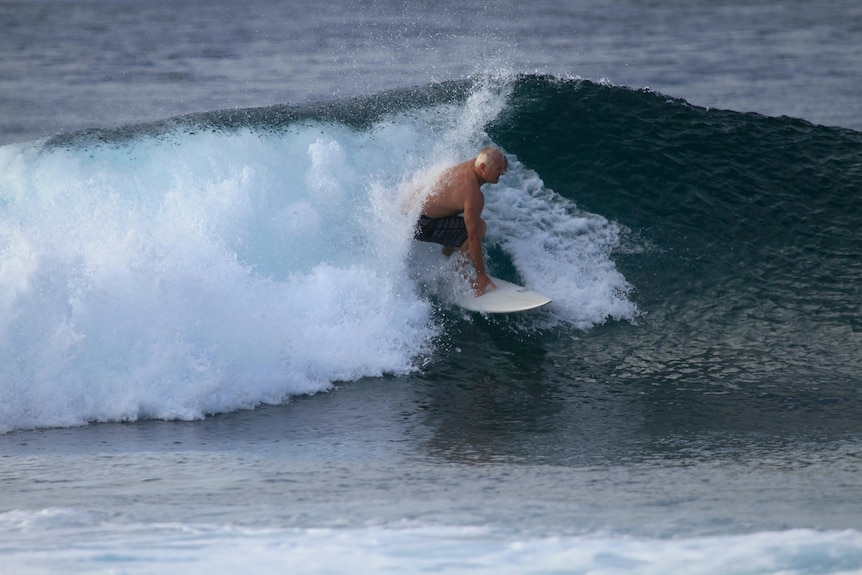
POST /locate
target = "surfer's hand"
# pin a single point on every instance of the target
(482, 283)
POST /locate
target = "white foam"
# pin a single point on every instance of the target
(203, 274)
(57, 540)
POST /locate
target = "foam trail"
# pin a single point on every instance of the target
(559, 250)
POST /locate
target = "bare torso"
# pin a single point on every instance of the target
(456, 186)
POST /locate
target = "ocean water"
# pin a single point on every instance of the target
(221, 350)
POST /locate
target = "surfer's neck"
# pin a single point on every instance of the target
(479, 179)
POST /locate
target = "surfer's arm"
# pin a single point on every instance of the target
(475, 232)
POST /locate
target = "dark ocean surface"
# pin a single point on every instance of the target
(220, 348)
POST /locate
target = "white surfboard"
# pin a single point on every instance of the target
(505, 298)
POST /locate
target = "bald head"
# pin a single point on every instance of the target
(490, 164)
(492, 157)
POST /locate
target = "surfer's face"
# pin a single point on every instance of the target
(494, 170)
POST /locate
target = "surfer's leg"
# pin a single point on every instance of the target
(450, 232)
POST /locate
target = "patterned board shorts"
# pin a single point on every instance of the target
(449, 231)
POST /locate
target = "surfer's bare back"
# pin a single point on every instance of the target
(458, 191)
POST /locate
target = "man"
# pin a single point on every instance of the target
(458, 191)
